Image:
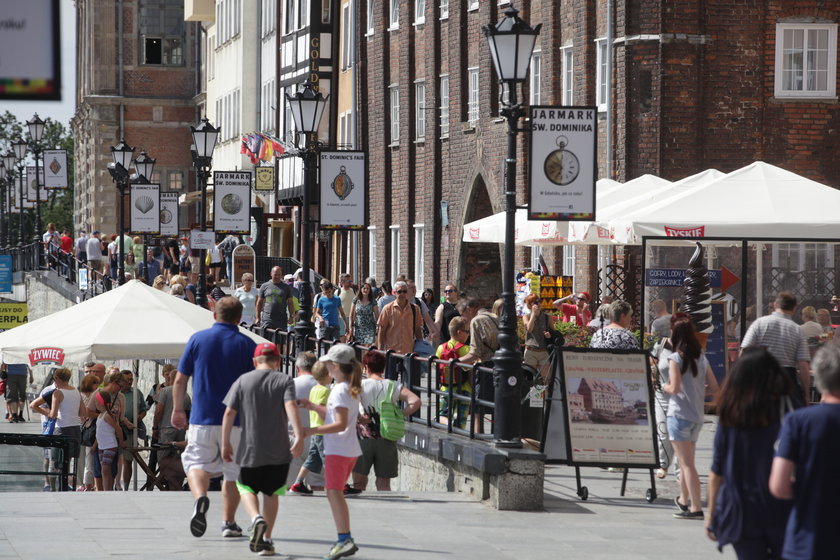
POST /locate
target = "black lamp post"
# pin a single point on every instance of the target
(122, 154)
(36, 130)
(3, 203)
(9, 165)
(145, 166)
(19, 148)
(307, 107)
(511, 43)
(205, 136)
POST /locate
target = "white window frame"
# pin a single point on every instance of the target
(472, 5)
(394, 105)
(535, 77)
(536, 253)
(371, 6)
(601, 86)
(444, 105)
(569, 260)
(807, 29)
(473, 99)
(444, 9)
(395, 250)
(393, 15)
(346, 35)
(372, 251)
(420, 257)
(420, 110)
(305, 10)
(568, 75)
(419, 12)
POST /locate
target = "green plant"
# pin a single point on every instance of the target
(574, 335)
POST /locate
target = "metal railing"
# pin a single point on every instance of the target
(63, 443)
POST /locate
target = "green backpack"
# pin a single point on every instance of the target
(391, 419)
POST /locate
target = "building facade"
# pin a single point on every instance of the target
(137, 77)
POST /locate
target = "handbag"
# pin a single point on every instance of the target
(422, 347)
(89, 433)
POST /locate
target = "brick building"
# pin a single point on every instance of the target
(681, 86)
(138, 79)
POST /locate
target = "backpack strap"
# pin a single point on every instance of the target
(389, 395)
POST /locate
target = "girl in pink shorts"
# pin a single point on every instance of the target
(341, 446)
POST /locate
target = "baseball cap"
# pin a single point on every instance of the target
(289, 277)
(266, 349)
(585, 295)
(340, 354)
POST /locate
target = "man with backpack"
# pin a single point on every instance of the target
(459, 380)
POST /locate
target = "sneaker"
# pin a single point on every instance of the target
(231, 529)
(301, 488)
(20, 417)
(342, 549)
(350, 491)
(47, 488)
(257, 531)
(265, 548)
(689, 515)
(681, 507)
(198, 522)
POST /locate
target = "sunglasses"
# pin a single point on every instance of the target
(448, 291)
(402, 291)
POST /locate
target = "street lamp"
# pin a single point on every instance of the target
(19, 147)
(205, 136)
(122, 154)
(9, 165)
(36, 130)
(307, 106)
(511, 43)
(145, 166)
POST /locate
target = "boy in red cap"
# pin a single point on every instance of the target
(264, 451)
(577, 312)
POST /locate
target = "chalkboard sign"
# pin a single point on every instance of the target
(716, 351)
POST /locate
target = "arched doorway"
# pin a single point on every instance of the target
(480, 263)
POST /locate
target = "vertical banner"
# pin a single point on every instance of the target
(265, 179)
(169, 214)
(55, 169)
(6, 272)
(145, 209)
(343, 195)
(231, 201)
(20, 187)
(563, 163)
(29, 190)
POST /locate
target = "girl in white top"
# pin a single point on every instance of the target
(248, 297)
(341, 446)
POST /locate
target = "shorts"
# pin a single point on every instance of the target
(15, 388)
(337, 469)
(315, 457)
(95, 264)
(268, 479)
(73, 432)
(536, 358)
(204, 451)
(683, 430)
(107, 457)
(194, 264)
(381, 454)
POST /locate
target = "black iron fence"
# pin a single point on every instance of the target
(61, 443)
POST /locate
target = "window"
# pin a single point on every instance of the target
(419, 257)
(290, 17)
(370, 16)
(806, 60)
(419, 12)
(601, 74)
(237, 14)
(394, 92)
(234, 133)
(444, 106)
(536, 70)
(420, 110)
(162, 32)
(372, 251)
(569, 260)
(444, 9)
(536, 253)
(568, 76)
(269, 17)
(305, 10)
(796, 257)
(472, 100)
(325, 11)
(346, 38)
(473, 5)
(394, 15)
(345, 131)
(395, 251)
(176, 180)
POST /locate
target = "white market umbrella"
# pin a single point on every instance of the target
(134, 321)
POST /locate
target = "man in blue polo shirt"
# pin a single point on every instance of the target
(214, 358)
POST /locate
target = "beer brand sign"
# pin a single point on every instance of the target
(474, 233)
(46, 356)
(699, 231)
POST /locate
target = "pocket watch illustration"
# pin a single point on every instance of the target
(561, 166)
(342, 184)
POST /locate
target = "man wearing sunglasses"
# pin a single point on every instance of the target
(400, 323)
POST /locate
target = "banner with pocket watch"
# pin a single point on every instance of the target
(343, 195)
(169, 214)
(145, 209)
(232, 201)
(563, 163)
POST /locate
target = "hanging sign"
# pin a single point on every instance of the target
(55, 169)
(564, 163)
(202, 239)
(145, 209)
(30, 191)
(232, 201)
(17, 203)
(343, 196)
(169, 214)
(6, 274)
(265, 179)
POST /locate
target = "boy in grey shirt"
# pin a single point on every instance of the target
(264, 451)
